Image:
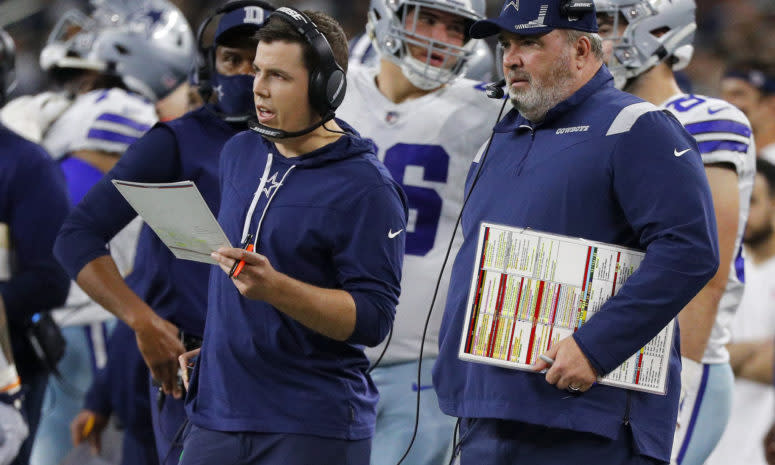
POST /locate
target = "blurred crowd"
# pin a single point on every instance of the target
(728, 30)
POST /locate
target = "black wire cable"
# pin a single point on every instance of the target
(438, 283)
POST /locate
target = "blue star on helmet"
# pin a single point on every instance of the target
(218, 91)
(155, 15)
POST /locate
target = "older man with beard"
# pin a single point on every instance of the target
(577, 157)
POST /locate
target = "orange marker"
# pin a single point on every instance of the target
(236, 269)
(241, 263)
(88, 427)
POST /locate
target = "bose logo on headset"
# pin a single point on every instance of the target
(293, 14)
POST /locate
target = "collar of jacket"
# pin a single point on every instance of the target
(514, 120)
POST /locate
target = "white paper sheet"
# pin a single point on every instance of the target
(531, 289)
(178, 214)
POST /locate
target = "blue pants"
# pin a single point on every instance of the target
(137, 450)
(166, 425)
(704, 419)
(84, 353)
(206, 447)
(501, 442)
(396, 411)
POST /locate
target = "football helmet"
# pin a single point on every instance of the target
(7, 65)
(655, 31)
(387, 27)
(148, 44)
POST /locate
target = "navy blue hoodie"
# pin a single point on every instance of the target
(33, 205)
(333, 218)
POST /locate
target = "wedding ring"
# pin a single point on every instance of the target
(573, 388)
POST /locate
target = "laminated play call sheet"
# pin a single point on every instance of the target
(531, 289)
(179, 215)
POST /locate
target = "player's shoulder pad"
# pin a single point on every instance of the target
(700, 108)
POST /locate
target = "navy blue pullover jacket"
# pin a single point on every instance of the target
(33, 205)
(187, 148)
(332, 218)
(603, 165)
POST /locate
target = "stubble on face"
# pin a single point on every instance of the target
(543, 92)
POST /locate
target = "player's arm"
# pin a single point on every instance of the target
(368, 261)
(81, 248)
(666, 200)
(697, 318)
(753, 360)
(39, 206)
(330, 312)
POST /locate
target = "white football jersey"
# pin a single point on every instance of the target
(723, 135)
(80, 309)
(105, 120)
(427, 144)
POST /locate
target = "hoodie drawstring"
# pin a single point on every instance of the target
(257, 196)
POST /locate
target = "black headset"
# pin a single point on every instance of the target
(205, 66)
(327, 80)
(575, 8)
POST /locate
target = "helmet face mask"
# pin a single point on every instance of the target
(645, 33)
(393, 27)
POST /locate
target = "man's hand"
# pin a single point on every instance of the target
(570, 370)
(160, 346)
(187, 363)
(88, 425)
(256, 279)
(769, 445)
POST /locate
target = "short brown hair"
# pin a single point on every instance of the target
(279, 29)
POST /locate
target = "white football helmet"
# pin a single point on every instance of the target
(655, 31)
(388, 31)
(147, 43)
(7, 65)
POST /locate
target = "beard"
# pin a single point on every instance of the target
(758, 236)
(542, 93)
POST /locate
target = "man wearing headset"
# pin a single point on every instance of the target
(164, 299)
(281, 377)
(578, 157)
(410, 105)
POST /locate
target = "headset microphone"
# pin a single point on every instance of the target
(273, 133)
(495, 89)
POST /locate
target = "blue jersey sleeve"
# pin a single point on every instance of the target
(103, 212)
(38, 204)
(370, 258)
(661, 186)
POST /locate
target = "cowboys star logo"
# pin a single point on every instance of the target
(513, 3)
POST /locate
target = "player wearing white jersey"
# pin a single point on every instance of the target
(117, 65)
(427, 123)
(643, 62)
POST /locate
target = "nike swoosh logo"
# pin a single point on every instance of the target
(392, 234)
(713, 111)
(678, 154)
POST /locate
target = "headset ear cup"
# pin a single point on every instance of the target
(336, 86)
(317, 92)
